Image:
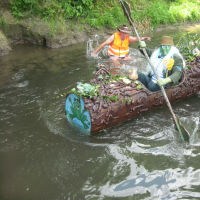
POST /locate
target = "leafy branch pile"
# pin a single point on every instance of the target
(91, 90)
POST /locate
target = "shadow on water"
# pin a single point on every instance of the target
(43, 157)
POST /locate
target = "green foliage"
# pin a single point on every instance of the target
(2, 22)
(114, 98)
(108, 13)
(185, 10)
(88, 90)
(112, 17)
(20, 7)
(91, 93)
(165, 11)
(100, 76)
(91, 90)
(52, 9)
(187, 43)
(129, 100)
(158, 13)
(56, 26)
(138, 85)
(61, 95)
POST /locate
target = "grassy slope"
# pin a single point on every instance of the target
(104, 13)
(48, 19)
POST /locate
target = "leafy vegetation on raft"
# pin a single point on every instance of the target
(92, 90)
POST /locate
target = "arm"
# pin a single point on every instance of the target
(135, 39)
(140, 47)
(176, 69)
(101, 46)
(149, 51)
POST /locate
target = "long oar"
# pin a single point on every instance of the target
(183, 132)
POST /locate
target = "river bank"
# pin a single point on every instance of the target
(37, 32)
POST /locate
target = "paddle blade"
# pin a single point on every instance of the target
(126, 8)
(183, 132)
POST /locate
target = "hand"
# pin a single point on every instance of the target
(93, 54)
(147, 38)
(142, 44)
(163, 81)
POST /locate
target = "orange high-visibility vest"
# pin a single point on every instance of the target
(118, 48)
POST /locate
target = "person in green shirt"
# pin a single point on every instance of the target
(168, 63)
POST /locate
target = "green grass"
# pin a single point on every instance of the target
(107, 13)
(185, 11)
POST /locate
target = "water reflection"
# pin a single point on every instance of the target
(158, 185)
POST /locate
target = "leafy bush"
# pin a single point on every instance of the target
(158, 13)
(101, 13)
(19, 7)
(112, 18)
(184, 10)
(2, 22)
(52, 8)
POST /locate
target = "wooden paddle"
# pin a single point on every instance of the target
(182, 131)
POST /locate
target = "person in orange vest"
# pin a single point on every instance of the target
(119, 44)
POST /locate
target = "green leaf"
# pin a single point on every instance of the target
(100, 77)
(108, 99)
(139, 86)
(115, 98)
(136, 82)
(73, 90)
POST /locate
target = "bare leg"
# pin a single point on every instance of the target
(115, 60)
(127, 58)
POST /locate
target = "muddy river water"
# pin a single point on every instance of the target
(43, 157)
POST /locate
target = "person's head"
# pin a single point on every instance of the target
(165, 46)
(124, 31)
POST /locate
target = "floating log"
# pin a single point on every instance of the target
(119, 101)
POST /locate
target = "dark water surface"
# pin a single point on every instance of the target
(43, 157)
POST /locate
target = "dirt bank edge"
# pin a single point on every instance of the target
(36, 32)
